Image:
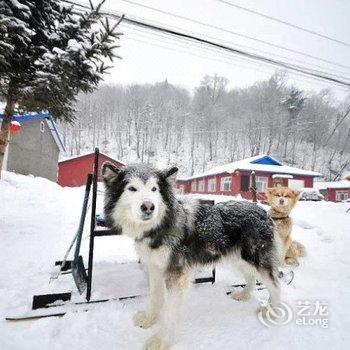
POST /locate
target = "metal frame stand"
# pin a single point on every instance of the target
(82, 276)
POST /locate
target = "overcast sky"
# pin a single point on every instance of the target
(149, 58)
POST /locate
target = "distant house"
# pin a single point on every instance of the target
(335, 191)
(36, 147)
(73, 171)
(234, 178)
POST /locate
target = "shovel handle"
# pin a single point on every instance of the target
(82, 217)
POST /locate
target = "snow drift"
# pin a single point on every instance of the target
(38, 220)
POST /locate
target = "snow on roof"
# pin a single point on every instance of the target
(31, 117)
(262, 162)
(56, 134)
(282, 176)
(65, 159)
(332, 184)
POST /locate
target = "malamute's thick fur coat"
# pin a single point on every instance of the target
(174, 237)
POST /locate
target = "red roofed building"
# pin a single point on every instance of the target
(233, 179)
(72, 172)
(335, 191)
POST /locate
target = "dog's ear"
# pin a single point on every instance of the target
(109, 172)
(271, 191)
(296, 193)
(171, 173)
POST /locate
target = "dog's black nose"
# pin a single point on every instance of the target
(281, 200)
(147, 207)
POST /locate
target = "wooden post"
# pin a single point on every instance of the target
(252, 187)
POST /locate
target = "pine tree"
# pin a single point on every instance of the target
(293, 103)
(49, 52)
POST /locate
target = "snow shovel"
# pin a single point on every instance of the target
(78, 268)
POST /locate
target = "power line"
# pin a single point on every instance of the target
(283, 22)
(250, 67)
(341, 74)
(194, 54)
(299, 69)
(177, 16)
(185, 45)
(224, 55)
(192, 38)
(235, 33)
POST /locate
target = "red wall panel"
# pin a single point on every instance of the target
(331, 193)
(73, 172)
(236, 183)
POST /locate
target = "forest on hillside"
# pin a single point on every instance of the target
(164, 124)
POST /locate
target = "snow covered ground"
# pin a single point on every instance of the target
(38, 220)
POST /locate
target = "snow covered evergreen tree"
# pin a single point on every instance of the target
(293, 103)
(49, 52)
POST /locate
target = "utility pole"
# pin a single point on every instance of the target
(252, 187)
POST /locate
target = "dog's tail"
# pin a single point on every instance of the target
(298, 249)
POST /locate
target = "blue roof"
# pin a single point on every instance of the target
(268, 160)
(31, 117)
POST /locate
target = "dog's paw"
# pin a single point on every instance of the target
(291, 262)
(144, 320)
(242, 295)
(157, 342)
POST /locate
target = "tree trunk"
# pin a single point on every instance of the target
(5, 128)
(192, 154)
(210, 147)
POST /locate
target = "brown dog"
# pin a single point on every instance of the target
(282, 200)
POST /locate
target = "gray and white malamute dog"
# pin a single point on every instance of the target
(173, 238)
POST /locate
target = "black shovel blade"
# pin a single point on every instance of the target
(45, 300)
(66, 266)
(79, 274)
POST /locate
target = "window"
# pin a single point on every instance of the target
(201, 186)
(261, 183)
(296, 184)
(193, 186)
(212, 185)
(225, 184)
(341, 195)
(42, 126)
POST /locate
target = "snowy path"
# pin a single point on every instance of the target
(38, 219)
